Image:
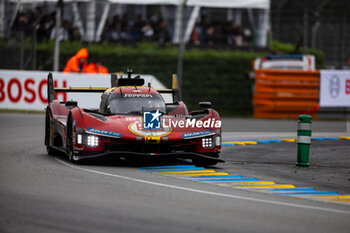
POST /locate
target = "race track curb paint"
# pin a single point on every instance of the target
(244, 143)
(211, 176)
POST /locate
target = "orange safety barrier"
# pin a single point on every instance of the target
(285, 93)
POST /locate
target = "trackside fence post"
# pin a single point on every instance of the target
(304, 140)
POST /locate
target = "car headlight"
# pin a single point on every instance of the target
(80, 139)
(87, 140)
(92, 141)
(207, 142)
(217, 140)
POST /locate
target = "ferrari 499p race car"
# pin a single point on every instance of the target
(132, 120)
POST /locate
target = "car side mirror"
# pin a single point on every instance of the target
(204, 104)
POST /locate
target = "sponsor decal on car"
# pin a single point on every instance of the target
(197, 134)
(132, 119)
(104, 132)
(138, 95)
(138, 129)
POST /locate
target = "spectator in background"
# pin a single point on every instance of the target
(105, 31)
(200, 30)
(25, 21)
(126, 34)
(21, 23)
(247, 37)
(45, 27)
(234, 35)
(125, 21)
(122, 29)
(28, 22)
(96, 68)
(41, 31)
(62, 32)
(229, 34)
(195, 35)
(137, 28)
(115, 34)
(75, 34)
(210, 37)
(220, 37)
(101, 69)
(77, 63)
(115, 20)
(49, 23)
(147, 32)
(162, 34)
(237, 34)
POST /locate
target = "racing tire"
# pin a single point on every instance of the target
(69, 138)
(49, 149)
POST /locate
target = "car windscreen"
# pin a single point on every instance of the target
(282, 64)
(134, 103)
(286, 67)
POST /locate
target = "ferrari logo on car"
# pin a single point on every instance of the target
(151, 120)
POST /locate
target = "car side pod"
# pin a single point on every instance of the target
(304, 140)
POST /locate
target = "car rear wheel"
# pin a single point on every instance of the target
(69, 138)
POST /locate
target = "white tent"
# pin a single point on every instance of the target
(196, 5)
(147, 2)
(39, 1)
(42, 1)
(256, 4)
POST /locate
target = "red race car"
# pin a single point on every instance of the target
(133, 120)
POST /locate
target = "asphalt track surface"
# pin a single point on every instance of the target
(41, 193)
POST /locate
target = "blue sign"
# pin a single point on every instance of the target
(197, 134)
(151, 120)
(104, 132)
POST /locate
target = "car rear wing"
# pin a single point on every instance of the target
(174, 89)
(115, 82)
(51, 89)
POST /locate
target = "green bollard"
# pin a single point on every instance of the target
(304, 140)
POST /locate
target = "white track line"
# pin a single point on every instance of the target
(205, 192)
